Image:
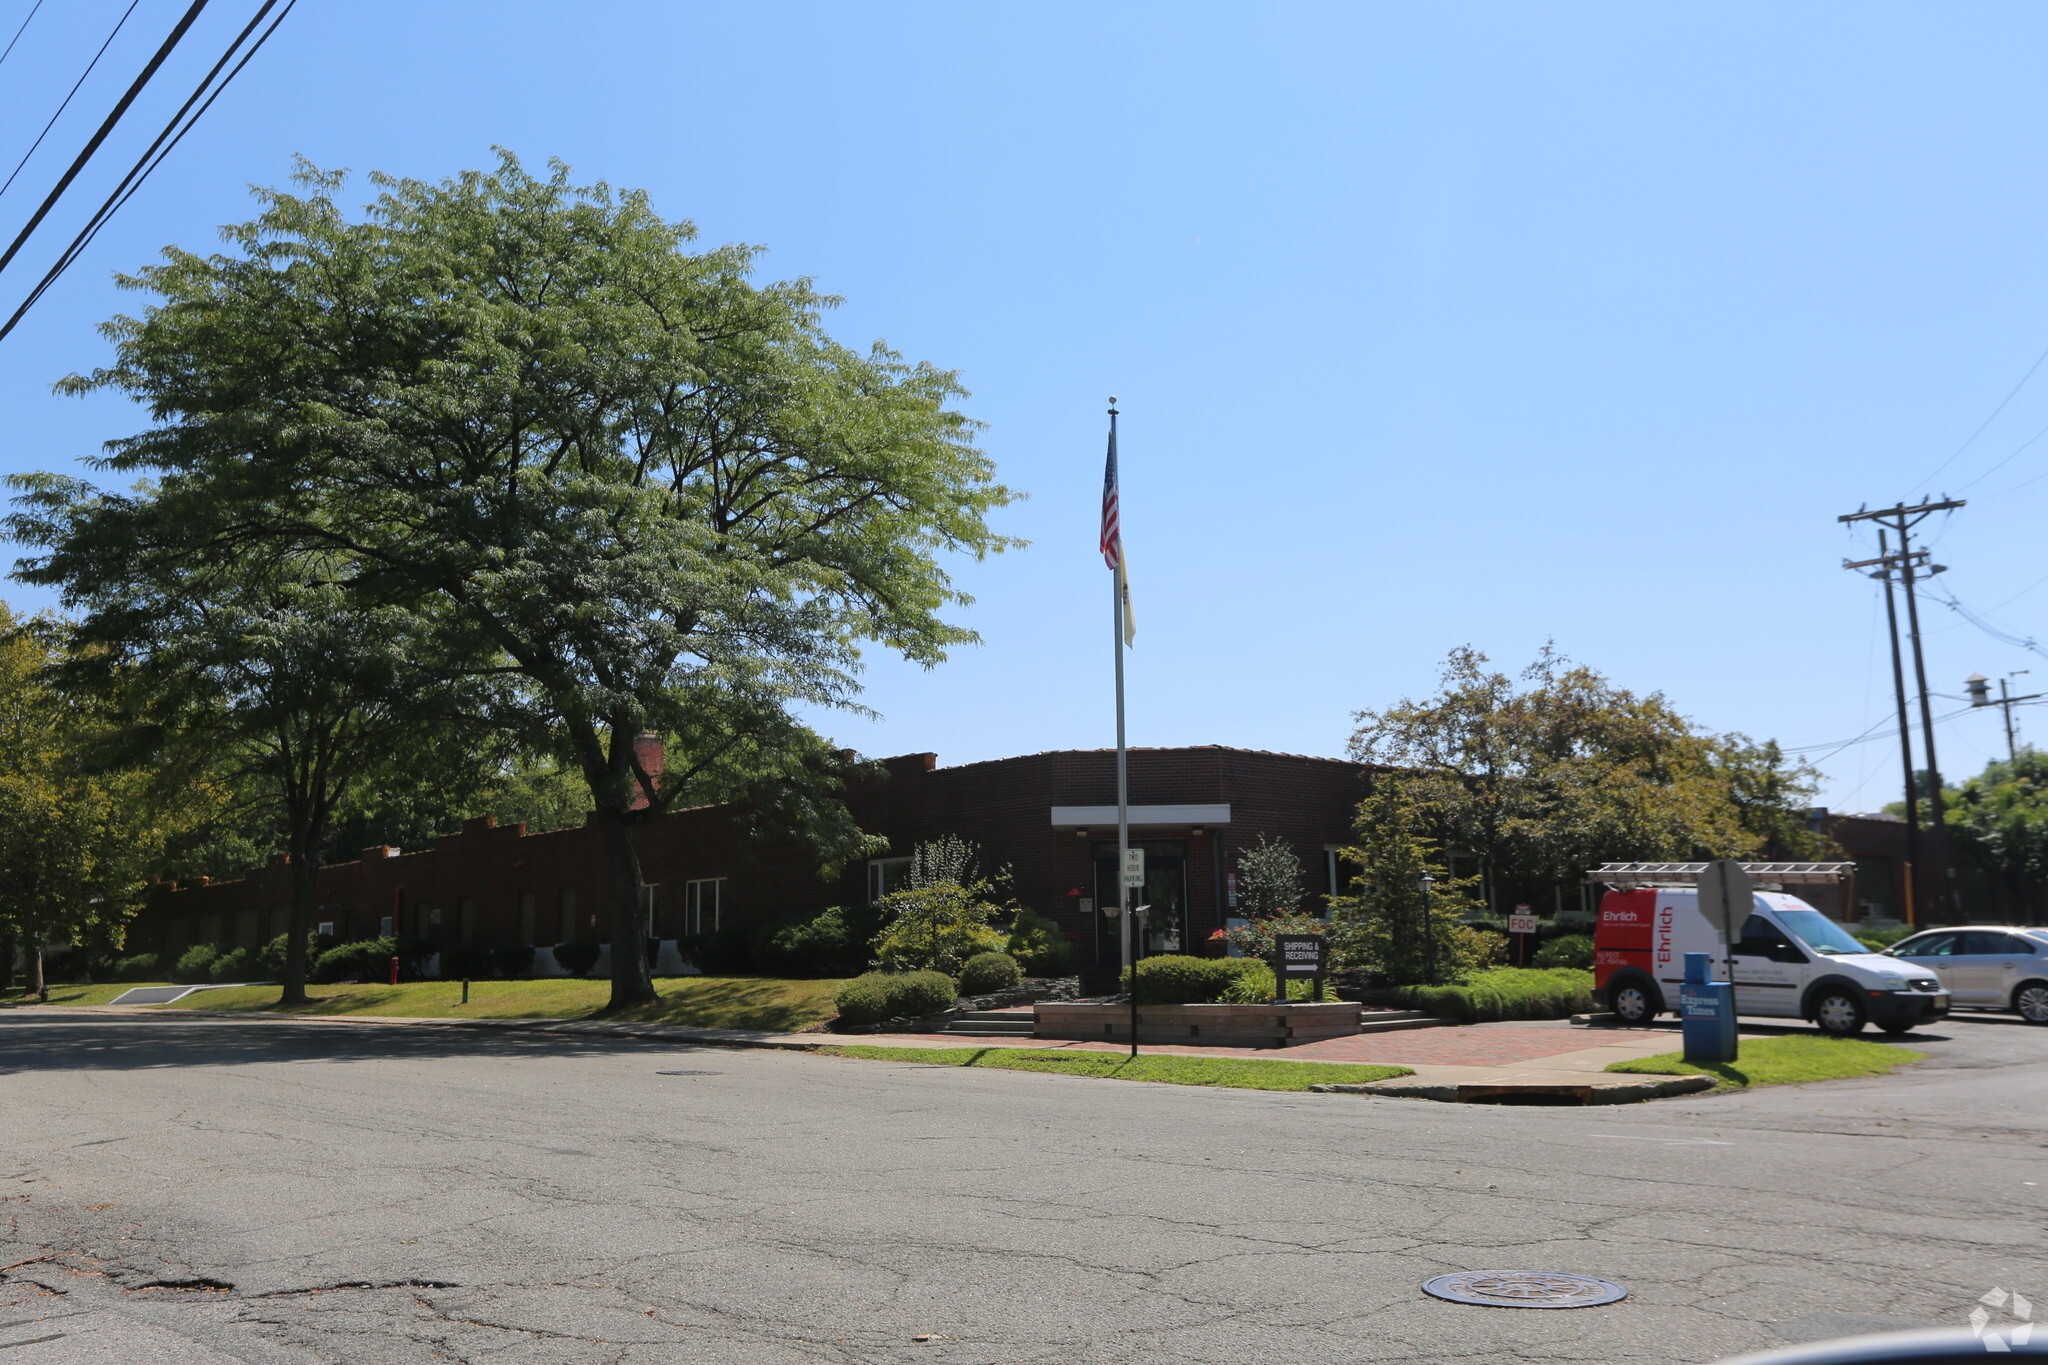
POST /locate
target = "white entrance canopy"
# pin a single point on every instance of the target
(1069, 817)
(1624, 876)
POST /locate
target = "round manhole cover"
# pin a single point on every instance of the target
(1524, 1289)
(689, 1073)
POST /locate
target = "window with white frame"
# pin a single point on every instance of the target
(703, 905)
(1340, 875)
(886, 875)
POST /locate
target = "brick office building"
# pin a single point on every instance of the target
(1049, 818)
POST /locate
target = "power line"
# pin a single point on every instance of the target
(173, 133)
(106, 127)
(1988, 420)
(67, 99)
(23, 29)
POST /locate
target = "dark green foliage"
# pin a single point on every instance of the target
(1569, 950)
(1038, 945)
(1399, 927)
(577, 958)
(833, 942)
(139, 967)
(987, 973)
(270, 958)
(1507, 993)
(364, 960)
(196, 964)
(1269, 879)
(875, 996)
(466, 962)
(238, 964)
(1174, 979)
(511, 963)
(1883, 938)
(722, 952)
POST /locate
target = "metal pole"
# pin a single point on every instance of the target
(1939, 842)
(1123, 789)
(1891, 613)
(2012, 754)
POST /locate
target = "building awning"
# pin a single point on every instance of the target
(1084, 817)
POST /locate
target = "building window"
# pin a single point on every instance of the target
(567, 922)
(703, 905)
(1340, 874)
(886, 875)
(526, 919)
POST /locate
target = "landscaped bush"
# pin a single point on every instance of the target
(936, 927)
(722, 952)
(987, 973)
(196, 965)
(1175, 979)
(465, 962)
(1875, 939)
(875, 996)
(832, 942)
(364, 960)
(511, 963)
(270, 958)
(1038, 945)
(1507, 993)
(238, 964)
(139, 967)
(1254, 986)
(1569, 950)
(577, 958)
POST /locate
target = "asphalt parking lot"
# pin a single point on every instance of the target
(201, 1191)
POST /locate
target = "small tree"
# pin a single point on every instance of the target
(946, 859)
(936, 928)
(1397, 926)
(1269, 879)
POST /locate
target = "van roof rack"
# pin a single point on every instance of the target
(1627, 876)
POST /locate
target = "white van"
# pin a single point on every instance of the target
(1791, 961)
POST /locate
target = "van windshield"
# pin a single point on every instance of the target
(1818, 932)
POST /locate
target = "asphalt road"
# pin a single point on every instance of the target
(200, 1192)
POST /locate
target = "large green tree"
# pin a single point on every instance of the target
(652, 488)
(1998, 821)
(1543, 776)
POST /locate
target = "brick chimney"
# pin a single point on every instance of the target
(649, 754)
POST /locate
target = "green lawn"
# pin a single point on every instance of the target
(769, 1003)
(80, 995)
(1237, 1073)
(1784, 1061)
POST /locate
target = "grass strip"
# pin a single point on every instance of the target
(1783, 1061)
(101, 994)
(768, 1004)
(1239, 1073)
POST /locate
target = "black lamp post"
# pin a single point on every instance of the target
(1423, 883)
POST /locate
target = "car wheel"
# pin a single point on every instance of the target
(1631, 1002)
(1838, 1013)
(2031, 1000)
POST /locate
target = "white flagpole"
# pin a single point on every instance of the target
(1123, 794)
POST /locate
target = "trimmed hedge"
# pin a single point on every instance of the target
(577, 958)
(987, 973)
(196, 965)
(140, 967)
(238, 965)
(875, 996)
(1038, 945)
(366, 959)
(1568, 950)
(722, 952)
(830, 943)
(511, 963)
(1176, 979)
(1507, 993)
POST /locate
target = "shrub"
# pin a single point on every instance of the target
(270, 957)
(577, 958)
(936, 927)
(140, 967)
(1507, 993)
(366, 959)
(465, 962)
(1174, 979)
(874, 996)
(1254, 986)
(832, 942)
(987, 973)
(722, 952)
(238, 964)
(196, 965)
(1038, 945)
(511, 962)
(1570, 950)
(1875, 939)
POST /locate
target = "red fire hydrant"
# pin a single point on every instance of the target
(394, 970)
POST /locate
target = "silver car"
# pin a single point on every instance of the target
(1985, 966)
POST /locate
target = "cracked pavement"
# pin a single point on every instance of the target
(215, 1191)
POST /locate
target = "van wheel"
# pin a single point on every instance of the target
(1630, 1001)
(2031, 1000)
(1838, 1013)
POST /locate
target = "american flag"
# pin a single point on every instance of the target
(1112, 534)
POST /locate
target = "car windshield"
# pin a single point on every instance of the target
(1818, 932)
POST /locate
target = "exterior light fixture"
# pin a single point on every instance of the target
(1979, 688)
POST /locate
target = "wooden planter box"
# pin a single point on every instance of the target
(1202, 1025)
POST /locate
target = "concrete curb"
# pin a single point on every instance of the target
(1592, 1092)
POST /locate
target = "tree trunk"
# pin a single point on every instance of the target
(305, 881)
(37, 983)
(8, 948)
(632, 982)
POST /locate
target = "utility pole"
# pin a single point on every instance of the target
(1891, 613)
(1901, 518)
(1979, 688)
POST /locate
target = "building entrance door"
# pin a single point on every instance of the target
(1165, 890)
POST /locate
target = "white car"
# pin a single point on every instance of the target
(1985, 966)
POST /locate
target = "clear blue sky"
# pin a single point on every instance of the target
(1486, 323)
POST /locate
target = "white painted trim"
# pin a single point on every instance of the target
(1069, 816)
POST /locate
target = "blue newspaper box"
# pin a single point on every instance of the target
(1707, 1009)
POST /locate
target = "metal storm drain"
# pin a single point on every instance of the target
(1524, 1289)
(689, 1073)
